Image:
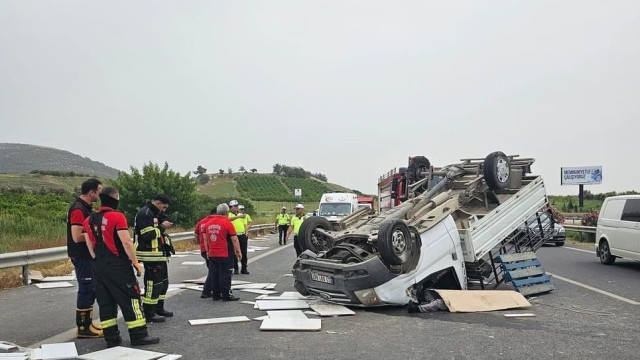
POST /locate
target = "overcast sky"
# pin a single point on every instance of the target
(346, 88)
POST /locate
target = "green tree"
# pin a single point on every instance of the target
(200, 171)
(229, 170)
(141, 186)
(254, 170)
(241, 169)
(221, 171)
(203, 179)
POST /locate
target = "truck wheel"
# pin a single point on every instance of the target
(394, 242)
(312, 240)
(417, 166)
(496, 170)
(605, 253)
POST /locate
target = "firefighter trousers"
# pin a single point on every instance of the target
(116, 286)
(156, 282)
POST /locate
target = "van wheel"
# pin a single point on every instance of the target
(311, 239)
(395, 243)
(605, 253)
(496, 170)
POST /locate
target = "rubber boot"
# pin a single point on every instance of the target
(95, 325)
(160, 310)
(150, 314)
(84, 321)
(112, 336)
(139, 337)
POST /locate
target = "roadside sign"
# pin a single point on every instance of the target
(584, 175)
(297, 192)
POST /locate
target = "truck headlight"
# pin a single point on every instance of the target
(561, 230)
(368, 297)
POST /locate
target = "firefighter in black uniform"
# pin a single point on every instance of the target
(153, 248)
(108, 241)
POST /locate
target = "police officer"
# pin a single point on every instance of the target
(282, 224)
(296, 222)
(153, 248)
(109, 243)
(81, 258)
(247, 220)
(237, 219)
(221, 244)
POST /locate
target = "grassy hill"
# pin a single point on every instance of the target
(23, 158)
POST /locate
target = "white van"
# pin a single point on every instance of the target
(618, 231)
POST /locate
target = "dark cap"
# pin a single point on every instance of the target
(163, 199)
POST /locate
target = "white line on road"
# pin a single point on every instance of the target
(617, 297)
(71, 333)
(587, 251)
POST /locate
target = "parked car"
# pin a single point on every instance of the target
(559, 235)
(618, 230)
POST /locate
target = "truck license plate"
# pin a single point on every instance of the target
(321, 278)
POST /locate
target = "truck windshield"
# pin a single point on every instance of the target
(335, 209)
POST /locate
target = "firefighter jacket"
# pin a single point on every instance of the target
(152, 245)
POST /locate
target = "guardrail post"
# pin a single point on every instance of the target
(25, 274)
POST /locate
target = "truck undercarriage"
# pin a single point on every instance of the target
(446, 231)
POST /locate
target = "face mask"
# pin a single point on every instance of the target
(108, 201)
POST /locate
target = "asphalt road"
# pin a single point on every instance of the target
(572, 322)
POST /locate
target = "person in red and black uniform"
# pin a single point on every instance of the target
(221, 242)
(199, 234)
(109, 243)
(77, 250)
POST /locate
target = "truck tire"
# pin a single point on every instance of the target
(497, 170)
(309, 240)
(394, 242)
(417, 166)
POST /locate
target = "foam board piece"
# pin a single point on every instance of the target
(482, 300)
(249, 286)
(259, 291)
(272, 297)
(35, 275)
(288, 275)
(14, 356)
(519, 315)
(193, 263)
(6, 347)
(266, 305)
(295, 294)
(331, 310)
(261, 318)
(36, 354)
(313, 313)
(248, 302)
(59, 278)
(196, 281)
(255, 306)
(59, 351)
(54, 285)
(171, 357)
(291, 324)
(222, 320)
(292, 314)
(121, 352)
(239, 282)
(270, 286)
(196, 288)
(179, 255)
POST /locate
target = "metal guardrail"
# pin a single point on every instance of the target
(30, 257)
(581, 229)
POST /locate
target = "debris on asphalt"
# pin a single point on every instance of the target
(331, 310)
(290, 324)
(519, 315)
(54, 285)
(59, 351)
(59, 278)
(482, 300)
(248, 302)
(222, 320)
(122, 353)
(193, 263)
(281, 304)
(6, 347)
(258, 291)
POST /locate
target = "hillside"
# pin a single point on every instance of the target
(23, 158)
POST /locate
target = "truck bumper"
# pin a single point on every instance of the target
(349, 284)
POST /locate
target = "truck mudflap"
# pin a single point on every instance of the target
(337, 282)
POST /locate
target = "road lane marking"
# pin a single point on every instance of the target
(71, 333)
(575, 249)
(617, 297)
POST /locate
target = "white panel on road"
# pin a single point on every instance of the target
(54, 285)
(259, 291)
(197, 281)
(222, 320)
(270, 287)
(261, 318)
(6, 347)
(519, 315)
(179, 255)
(239, 282)
(284, 324)
(171, 357)
(248, 302)
(14, 356)
(59, 278)
(331, 310)
(121, 352)
(193, 263)
(266, 305)
(289, 314)
(281, 297)
(196, 288)
(312, 313)
(292, 294)
(59, 351)
(249, 286)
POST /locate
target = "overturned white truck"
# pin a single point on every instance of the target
(449, 226)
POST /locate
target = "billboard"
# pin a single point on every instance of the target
(584, 175)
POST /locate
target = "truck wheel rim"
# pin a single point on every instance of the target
(502, 168)
(399, 242)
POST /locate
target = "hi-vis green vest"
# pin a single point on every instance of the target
(283, 219)
(147, 236)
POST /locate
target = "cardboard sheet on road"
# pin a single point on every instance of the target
(59, 351)
(121, 352)
(482, 300)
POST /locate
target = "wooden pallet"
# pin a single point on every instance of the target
(525, 272)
